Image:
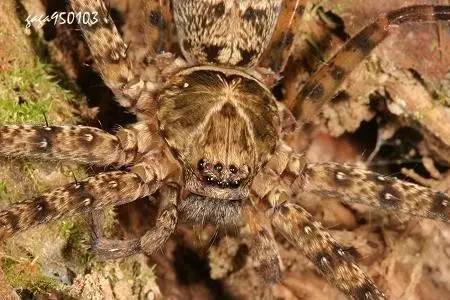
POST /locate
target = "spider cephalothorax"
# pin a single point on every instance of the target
(214, 114)
(222, 124)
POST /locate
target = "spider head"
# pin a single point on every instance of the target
(222, 125)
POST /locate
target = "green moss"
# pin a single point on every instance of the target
(29, 93)
(25, 274)
(76, 234)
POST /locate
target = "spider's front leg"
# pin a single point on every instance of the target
(336, 263)
(83, 144)
(263, 249)
(152, 240)
(322, 85)
(110, 52)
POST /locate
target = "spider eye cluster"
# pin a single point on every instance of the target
(219, 174)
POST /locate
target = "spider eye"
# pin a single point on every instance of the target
(233, 169)
(235, 184)
(201, 164)
(218, 167)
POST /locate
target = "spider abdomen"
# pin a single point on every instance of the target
(224, 32)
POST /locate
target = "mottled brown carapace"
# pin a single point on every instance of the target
(209, 140)
(234, 121)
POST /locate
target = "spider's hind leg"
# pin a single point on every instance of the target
(283, 38)
(354, 185)
(322, 85)
(157, 27)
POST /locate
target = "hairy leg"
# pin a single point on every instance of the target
(93, 193)
(157, 27)
(263, 250)
(288, 172)
(321, 87)
(282, 41)
(335, 262)
(351, 184)
(77, 143)
(151, 241)
(110, 54)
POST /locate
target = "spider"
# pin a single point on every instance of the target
(210, 138)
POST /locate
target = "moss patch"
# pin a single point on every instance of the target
(25, 274)
(26, 95)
